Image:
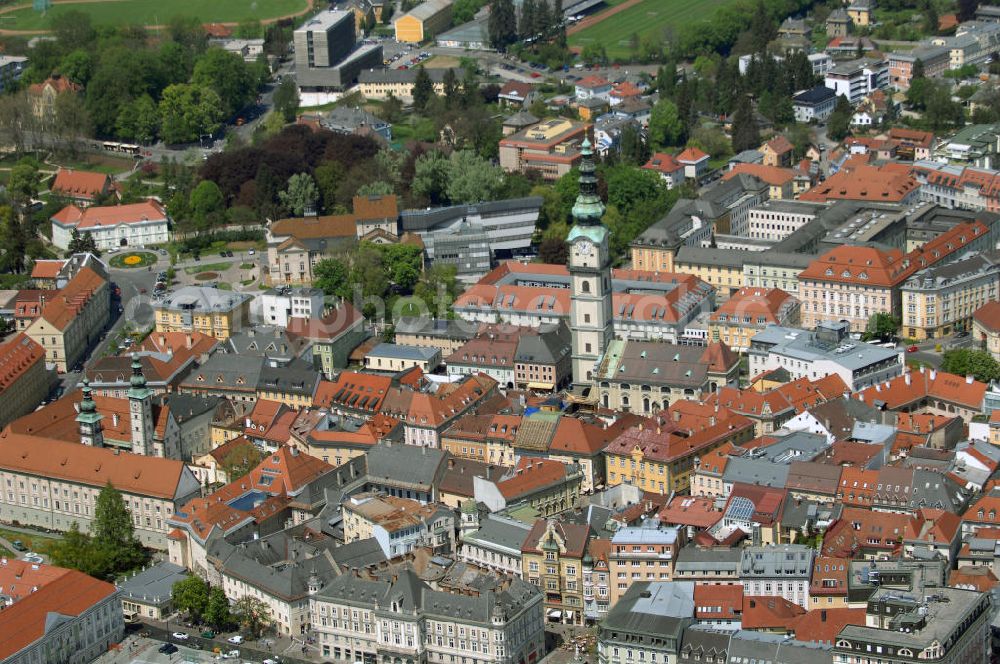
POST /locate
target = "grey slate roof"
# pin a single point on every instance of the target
(183, 407)
(154, 584)
(649, 611)
(699, 559)
(223, 371)
(412, 594)
(747, 646)
(398, 351)
(500, 532)
(405, 463)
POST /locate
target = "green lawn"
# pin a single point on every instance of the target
(210, 267)
(38, 543)
(157, 12)
(646, 18)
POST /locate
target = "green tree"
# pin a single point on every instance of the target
(369, 271)
(931, 20)
(438, 288)
(430, 177)
(762, 28)
(839, 123)
(971, 362)
(472, 179)
(301, 195)
(328, 176)
(502, 25)
(188, 112)
(967, 10)
(377, 188)
(881, 326)
(114, 533)
(252, 614)
(191, 596)
(81, 243)
(206, 204)
(746, 135)
(139, 120)
(76, 551)
(228, 75)
(665, 125)
(632, 147)
(529, 25)
(217, 613)
(423, 89)
(332, 277)
(554, 251)
(286, 99)
(451, 89)
(77, 66)
(73, 28)
(918, 69)
(241, 461)
(13, 241)
(24, 182)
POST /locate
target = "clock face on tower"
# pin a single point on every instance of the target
(585, 248)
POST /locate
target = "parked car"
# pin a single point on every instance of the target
(961, 333)
(18, 545)
(180, 636)
(168, 649)
(232, 654)
(912, 349)
(236, 639)
(208, 634)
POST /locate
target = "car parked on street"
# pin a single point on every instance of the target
(180, 636)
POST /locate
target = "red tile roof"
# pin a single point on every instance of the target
(353, 390)
(823, 625)
(17, 356)
(573, 535)
(914, 386)
(86, 185)
(530, 476)
(46, 269)
(110, 215)
(691, 156)
(279, 476)
(695, 511)
(592, 81)
(773, 305)
(663, 162)
(718, 602)
(988, 316)
(67, 304)
(70, 594)
(329, 327)
(57, 82)
(779, 145)
(669, 442)
(93, 466)
(857, 265)
(863, 183)
(859, 529)
(829, 576)
(767, 613)
(978, 578)
(774, 176)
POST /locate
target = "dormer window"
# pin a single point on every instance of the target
(829, 271)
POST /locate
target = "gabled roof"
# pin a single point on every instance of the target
(691, 155)
(61, 309)
(914, 386)
(92, 466)
(769, 612)
(80, 184)
(775, 176)
(988, 315)
(574, 537)
(823, 625)
(779, 145)
(46, 269)
(530, 476)
(663, 162)
(29, 619)
(111, 215)
(17, 357)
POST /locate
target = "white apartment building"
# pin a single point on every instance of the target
(277, 305)
(827, 350)
(399, 619)
(778, 571)
(496, 544)
(777, 219)
(858, 78)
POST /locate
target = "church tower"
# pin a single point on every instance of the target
(140, 405)
(89, 420)
(591, 319)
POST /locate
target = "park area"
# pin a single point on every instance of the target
(23, 16)
(624, 25)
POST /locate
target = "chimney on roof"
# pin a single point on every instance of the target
(906, 377)
(190, 342)
(114, 419)
(933, 374)
(968, 379)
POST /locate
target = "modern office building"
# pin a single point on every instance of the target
(327, 57)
